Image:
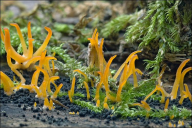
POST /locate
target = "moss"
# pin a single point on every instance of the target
(162, 30)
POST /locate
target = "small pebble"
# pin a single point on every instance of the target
(38, 118)
(22, 125)
(4, 114)
(43, 120)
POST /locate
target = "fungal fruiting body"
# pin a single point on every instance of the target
(70, 97)
(35, 105)
(177, 80)
(71, 91)
(95, 53)
(126, 61)
(98, 103)
(163, 92)
(99, 86)
(118, 96)
(143, 104)
(48, 104)
(182, 79)
(54, 96)
(171, 117)
(28, 58)
(185, 94)
(87, 89)
(7, 84)
(79, 71)
(105, 105)
(166, 105)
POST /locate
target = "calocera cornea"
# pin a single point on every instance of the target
(95, 54)
(166, 105)
(48, 104)
(143, 104)
(79, 71)
(28, 58)
(126, 61)
(185, 94)
(54, 96)
(182, 79)
(71, 91)
(177, 79)
(163, 92)
(8, 85)
(87, 90)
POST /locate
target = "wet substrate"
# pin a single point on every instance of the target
(21, 103)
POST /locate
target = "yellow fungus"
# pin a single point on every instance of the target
(72, 113)
(143, 104)
(98, 103)
(126, 61)
(28, 59)
(51, 80)
(106, 106)
(106, 73)
(99, 86)
(43, 46)
(166, 105)
(70, 97)
(56, 91)
(180, 123)
(79, 71)
(118, 96)
(21, 37)
(182, 78)
(48, 104)
(188, 92)
(35, 104)
(132, 66)
(7, 84)
(177, 79)
(87, 89)
(185, 95)
(123, 76)
(171, 117)
(163, 92)
(72, 87)
(96, 55)
(170, 124)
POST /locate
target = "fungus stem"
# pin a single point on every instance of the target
(177, 79)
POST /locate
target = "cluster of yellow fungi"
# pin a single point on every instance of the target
(184, 93)
(97, 60)
(27, 61)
